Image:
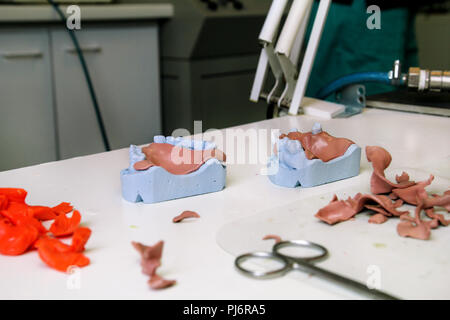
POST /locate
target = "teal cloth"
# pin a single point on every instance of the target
(348, 46)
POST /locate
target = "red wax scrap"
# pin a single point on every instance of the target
(16, 239)
(21, 230)
(46, 213)
(63, 226)
(80, 236)
(14, 194)
(4, 202)
(60, 256)
(185, 215)
(22, 218)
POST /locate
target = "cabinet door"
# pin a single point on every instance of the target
(27, 125)
(124, 66)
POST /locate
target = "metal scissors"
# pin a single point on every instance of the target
(289, 263)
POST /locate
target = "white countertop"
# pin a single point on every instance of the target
(191, 253)
(89, 12)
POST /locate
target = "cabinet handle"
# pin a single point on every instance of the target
(22, 54)
(87, 49)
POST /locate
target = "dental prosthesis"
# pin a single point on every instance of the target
(313, 158)
(171, 168)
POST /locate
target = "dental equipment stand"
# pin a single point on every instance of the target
(282, 59)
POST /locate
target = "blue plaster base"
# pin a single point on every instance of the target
(156, 184)
(316, 172)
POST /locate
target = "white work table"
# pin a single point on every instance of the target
(191, 255)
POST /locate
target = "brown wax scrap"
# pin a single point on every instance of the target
(418, 229)
(150, 261)
(157, 282)
(404, 177)
(150, 256)
(437, 216)
(381, 159)
(185, 215)
(392, 196)
(273, 237)
(409, 229)
(412, 193)
(438, 201)
(321, 146)
(342, 210)
(175, 159)
(336, 211)
(361, 199)
(378, 209)
(143, 165)
(378, 218)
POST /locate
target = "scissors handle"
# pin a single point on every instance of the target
(352, 284)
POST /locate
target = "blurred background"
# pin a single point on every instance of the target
(155, 66)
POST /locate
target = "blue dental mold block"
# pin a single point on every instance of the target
(290, 167)
(156, 184)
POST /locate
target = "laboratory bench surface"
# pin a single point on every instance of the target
(191, 255)
(89, 12)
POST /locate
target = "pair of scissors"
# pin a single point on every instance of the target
(289, 263)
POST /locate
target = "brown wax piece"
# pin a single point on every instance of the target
(272, 237)
(176, 160)
(437, 216)
(185, 215)
(378, 209)
(341, 210)
(409, 229)
(150, 261)
(404, 177)
(418, 229)
(392, 196)
(156, 282)
(438, 201)
(150, 256)
(336, 211)
(381, 159)
(321, 145)
(378, 218)
(410, 194)
(404, 191)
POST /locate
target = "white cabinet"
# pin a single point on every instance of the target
(124, 67)
(46, 112)
(27, 118)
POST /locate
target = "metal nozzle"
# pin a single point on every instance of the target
(424, 80)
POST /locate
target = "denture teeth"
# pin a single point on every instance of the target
(317, 128)
(187, 143)
(170, 140)
(209, 145)
(159, 139)
(198, 145)
(293, 146)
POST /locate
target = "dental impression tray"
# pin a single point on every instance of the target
(171, 168)
(312, 158)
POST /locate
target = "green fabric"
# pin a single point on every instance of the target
(348, 46)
